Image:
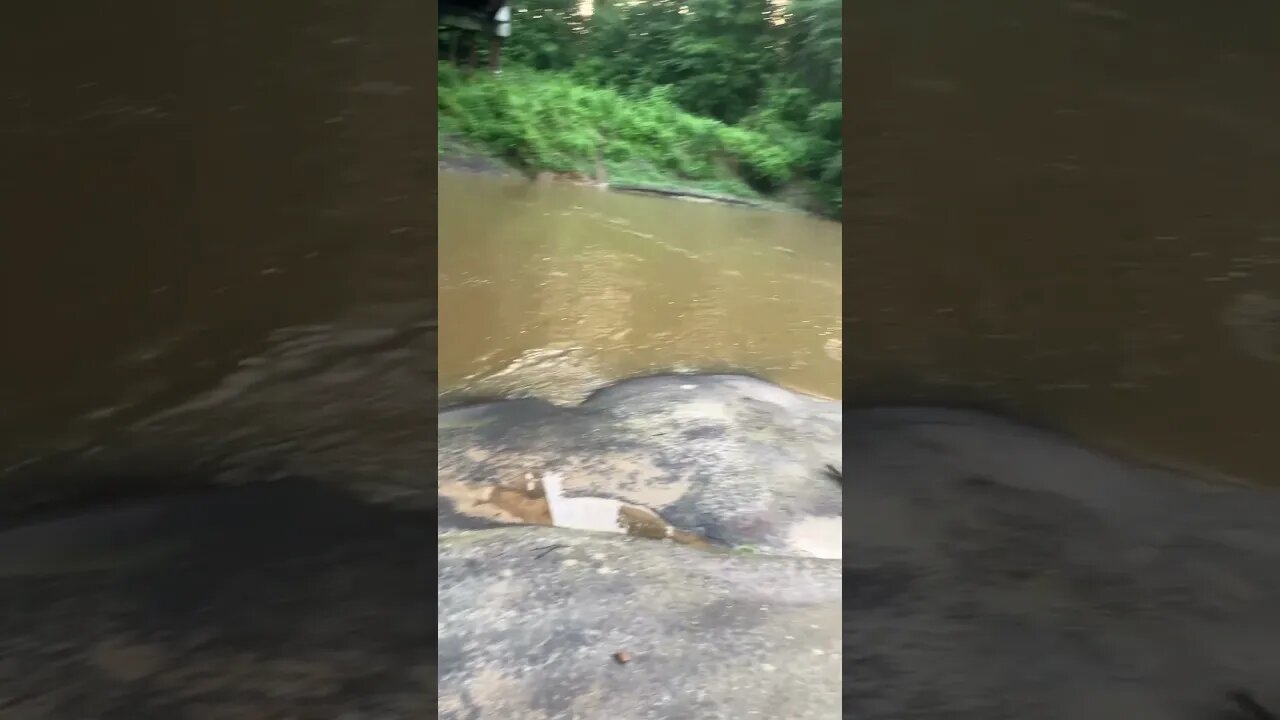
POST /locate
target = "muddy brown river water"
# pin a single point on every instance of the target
(1068, 209)
(555, 290)
(183, 200)
(1087, 236)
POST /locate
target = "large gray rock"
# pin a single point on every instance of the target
(733, 459)
(994, 570)
(530, 619)
(276, 599)
(312, 596)
(263, 550)
(999, 571)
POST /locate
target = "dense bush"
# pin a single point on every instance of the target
(547, 120)
(695, 91)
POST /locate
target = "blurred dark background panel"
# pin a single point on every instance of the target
(1068, 210)
(182, 179)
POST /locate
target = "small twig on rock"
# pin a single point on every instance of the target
(548, 548)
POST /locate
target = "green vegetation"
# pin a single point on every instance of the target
(734, 96)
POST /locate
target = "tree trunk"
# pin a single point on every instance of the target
(495, 54)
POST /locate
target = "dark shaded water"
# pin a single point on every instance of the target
(182, 183)
(1068, 209)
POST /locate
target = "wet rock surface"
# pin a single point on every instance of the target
(283, 599)
(736, 460)
(994, 571)
(263, 550)
(998, 571)
(532, 617)
(287, 571)
(737, 618)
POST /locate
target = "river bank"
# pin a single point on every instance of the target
(458, 154)
(555, 125)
